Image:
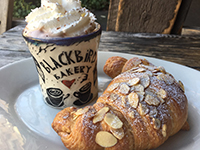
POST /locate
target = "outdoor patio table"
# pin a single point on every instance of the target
(183, 50)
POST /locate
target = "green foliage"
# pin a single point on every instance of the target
(95, 4)
(23, 7)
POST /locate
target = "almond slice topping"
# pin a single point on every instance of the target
(141, 95)
(124, 89)
(151, 100)
(140, 70)
(123, 100)
(153, 112)
(105, 139)
(131, 114)
(133, 99)
(134, 81)
(161, 69)
(113, 121)
(149, 73)
(142, 109)
(164, 130)
(113, 96)
(81, 111)
(161, 77)
(113, 87)
(181, 85)
(145, 80)
(156, 123)
(161, 99)
(137, 88)
(168, 79)
(118, 133)
(149, 67)
(162, 93)
(100, 114)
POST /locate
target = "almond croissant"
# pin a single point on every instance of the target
(140, 109)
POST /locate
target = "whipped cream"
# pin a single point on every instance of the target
(59, 18)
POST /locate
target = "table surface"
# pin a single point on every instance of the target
(182, 49)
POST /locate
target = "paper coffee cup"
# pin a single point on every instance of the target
(67, 68)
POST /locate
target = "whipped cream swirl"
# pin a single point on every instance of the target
(59, 18)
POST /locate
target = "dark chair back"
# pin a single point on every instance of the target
(6, 13)
(147, 16)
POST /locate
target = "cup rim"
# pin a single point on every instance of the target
(61, 40)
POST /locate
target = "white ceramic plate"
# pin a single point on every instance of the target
(25, 121)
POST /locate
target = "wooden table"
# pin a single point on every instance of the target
(183, 49)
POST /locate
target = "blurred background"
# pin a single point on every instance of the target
(100, 9)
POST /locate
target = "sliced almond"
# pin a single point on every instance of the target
(124, 100)
(133, 81)
(148, 67)
(153, 112)
(142, 109)
(105, 139)
(161, 76)
(113, 96)
(151, 100)
(162, 93)
(145, 62)
(133, 99)
(156, 123)
(91, 113)
(81, 111)
(140, 70)
(168, 79)
(113, 121)
(124, 89)
(75, 117)
(161, 69)
(141, 96)
(161, 99)
(100, 114)
(131, 114)
(164, 130)
(145, 80)
(136, 61)
(137, 88)
(113, 87)
(133, 69)
(155, 70)
(149, 73)
(118, 133)
(181, 85)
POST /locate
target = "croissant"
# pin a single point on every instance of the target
(140, 109)
(114, 65)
